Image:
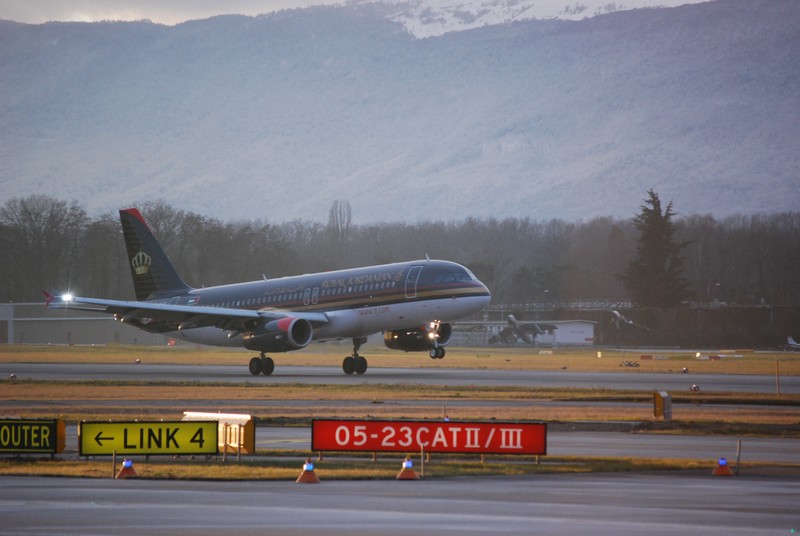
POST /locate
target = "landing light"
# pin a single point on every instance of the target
(66, 297)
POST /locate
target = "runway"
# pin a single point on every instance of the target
(627, 380)
(598, 504)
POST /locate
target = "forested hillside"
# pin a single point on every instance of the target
(741, 260)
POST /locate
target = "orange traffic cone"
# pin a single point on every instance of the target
(308, 476)
(127, 470)
(407, 472)
(722, 468)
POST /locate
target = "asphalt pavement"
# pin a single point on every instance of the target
(624, 380)
(597, 504)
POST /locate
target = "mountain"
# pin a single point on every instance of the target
(426, 18)
(277, 116)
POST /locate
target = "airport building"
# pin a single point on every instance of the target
(563, 333)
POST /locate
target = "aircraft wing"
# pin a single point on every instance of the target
(187, 316)
(525, 331)
(617, 318)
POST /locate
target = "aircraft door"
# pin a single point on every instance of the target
(411, 281)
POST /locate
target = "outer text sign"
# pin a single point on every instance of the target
(157, 437)
(19, 436)
(432, 436)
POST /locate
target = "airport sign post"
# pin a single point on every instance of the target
(32, 436)
(99, 438)
(495, 437)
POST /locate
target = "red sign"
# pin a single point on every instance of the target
(433, 436)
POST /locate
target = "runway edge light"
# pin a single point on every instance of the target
(407, 472)
(722, 468)
(308, 476)
(127, 470)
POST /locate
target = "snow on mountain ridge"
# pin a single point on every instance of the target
(431, 18)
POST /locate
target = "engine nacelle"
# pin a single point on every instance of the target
(418, 339)
(282, 335)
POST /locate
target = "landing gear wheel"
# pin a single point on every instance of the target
(267, 366)
(437, 353)
(255, 366)
(349, 365)
(355, 363)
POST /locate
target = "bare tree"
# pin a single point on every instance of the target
(340, 221)
(40, 243)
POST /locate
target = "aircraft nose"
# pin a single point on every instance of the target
(487, 295)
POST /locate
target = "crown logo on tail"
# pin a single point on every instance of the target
(141, 263)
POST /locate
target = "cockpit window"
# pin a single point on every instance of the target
(439, 276)
(470, 275)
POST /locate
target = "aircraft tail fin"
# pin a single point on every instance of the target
(792, 342)
(152, 272)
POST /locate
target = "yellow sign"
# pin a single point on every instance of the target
(20, 436)
(156, 437)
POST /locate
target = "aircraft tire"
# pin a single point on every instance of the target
(434, 353)
(360, 365)
(255, 366)
(267, 366)
(437, 353)
(349, 365)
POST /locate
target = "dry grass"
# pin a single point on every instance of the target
(353, 469)
(730, 361)
(74, 401)
(89, 400)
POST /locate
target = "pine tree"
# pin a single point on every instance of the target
(653, 278)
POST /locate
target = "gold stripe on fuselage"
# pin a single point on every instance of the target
(374, 300)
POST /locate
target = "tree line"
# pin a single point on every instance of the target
(52, 244)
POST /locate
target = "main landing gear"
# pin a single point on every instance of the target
(261, 365)
(355, 363)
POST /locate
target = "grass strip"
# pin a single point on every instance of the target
(277, 469)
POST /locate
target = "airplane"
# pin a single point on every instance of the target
(526, 331)
(792, 344)
(412, 303)
(618, 318)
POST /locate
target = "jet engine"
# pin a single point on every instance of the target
(282, 335)
(427, 337)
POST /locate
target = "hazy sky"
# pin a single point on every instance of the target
(163, 11)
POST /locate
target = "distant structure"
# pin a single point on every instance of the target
(33, 323)
(551, 333)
